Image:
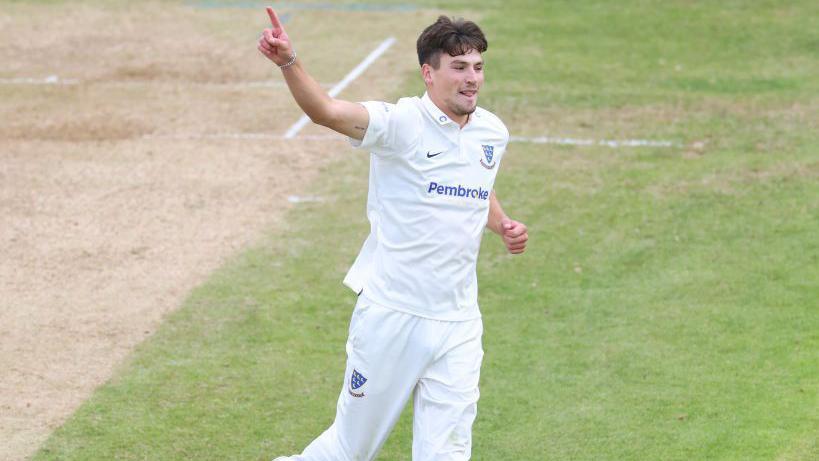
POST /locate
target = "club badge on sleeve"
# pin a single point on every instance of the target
(356, 381)
(488, 155)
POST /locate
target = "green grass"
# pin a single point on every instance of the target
(666, 308)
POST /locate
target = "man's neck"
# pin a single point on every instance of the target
(461, 120)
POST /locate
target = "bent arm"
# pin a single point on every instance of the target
(345, 117)
(513, 233)
(348, 118)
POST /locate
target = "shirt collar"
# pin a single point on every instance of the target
(434, 111)
(439, 115)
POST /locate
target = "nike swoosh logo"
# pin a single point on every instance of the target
(434, 155)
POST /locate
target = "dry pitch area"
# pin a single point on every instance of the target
(115, 201)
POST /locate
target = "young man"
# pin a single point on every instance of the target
(416, 328)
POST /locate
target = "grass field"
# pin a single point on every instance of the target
(666, 308)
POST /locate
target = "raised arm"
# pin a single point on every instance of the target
(348, 118)
(513, 233)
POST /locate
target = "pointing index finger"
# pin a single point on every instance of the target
(274, 20)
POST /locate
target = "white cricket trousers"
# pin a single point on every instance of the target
(390, 355)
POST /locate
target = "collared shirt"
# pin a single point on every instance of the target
(428, 203)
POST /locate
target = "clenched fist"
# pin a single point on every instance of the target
(514, 235)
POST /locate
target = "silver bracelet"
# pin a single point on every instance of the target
(290, 62)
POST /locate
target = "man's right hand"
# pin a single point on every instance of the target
(274, 42)
(348, 118)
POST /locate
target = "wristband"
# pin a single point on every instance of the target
(290, 62)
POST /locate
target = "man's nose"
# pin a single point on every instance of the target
(471, 76)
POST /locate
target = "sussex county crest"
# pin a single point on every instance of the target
(488, 155)
(356, 381)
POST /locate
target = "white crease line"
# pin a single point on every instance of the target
(50, 80)
(56, 80)
(304, 198)
(595, 142)
(357, 71)
(252, 84)
(268, 83)
(263, 136)
(338, 137)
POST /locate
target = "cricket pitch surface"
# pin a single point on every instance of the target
(126, 177)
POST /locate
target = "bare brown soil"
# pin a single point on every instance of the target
(113, 205)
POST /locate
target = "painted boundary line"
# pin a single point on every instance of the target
(338, 137)
(334, 91)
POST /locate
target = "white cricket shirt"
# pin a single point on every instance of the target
(428, 203)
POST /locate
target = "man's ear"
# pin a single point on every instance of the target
(426, 73)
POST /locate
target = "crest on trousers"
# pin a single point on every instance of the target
(356, 381)
(488, 154)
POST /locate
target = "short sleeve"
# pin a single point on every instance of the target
(393, 128)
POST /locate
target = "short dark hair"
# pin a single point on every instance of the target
(454, 37)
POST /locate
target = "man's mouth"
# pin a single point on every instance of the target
(469, 93)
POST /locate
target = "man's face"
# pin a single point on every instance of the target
(454, 85)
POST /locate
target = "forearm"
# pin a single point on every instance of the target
(496, 214)
(309, 95)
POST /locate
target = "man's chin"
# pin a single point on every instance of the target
(466, 110)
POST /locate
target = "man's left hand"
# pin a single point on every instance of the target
(514, 235)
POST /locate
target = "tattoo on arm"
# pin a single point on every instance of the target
(360, 128)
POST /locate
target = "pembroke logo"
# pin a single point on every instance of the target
(356, 381)
(488, 155)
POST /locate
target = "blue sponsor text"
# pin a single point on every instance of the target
(458, 191)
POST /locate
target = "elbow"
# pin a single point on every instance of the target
(319, 119)
(324, 116)
(324, 119)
